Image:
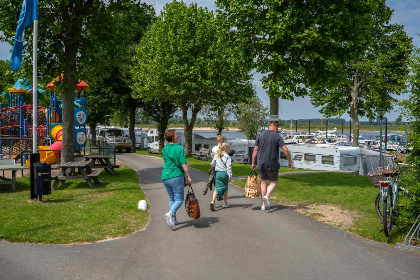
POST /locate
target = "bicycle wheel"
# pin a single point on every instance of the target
(387, 214)
(378, 206)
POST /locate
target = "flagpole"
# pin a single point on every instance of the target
(35, 89)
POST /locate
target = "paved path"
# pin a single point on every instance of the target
(242, 242)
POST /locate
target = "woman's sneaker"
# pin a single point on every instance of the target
(267, 202)
(169, 220)
(226, 205)
(176, 222)
(212, 206)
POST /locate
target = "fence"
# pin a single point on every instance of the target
(370, 162)
(103, 148)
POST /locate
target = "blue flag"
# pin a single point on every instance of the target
(28, 14)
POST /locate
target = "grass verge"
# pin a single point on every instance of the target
(74, 213)
(348, 192)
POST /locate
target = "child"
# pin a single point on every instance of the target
(223, 166)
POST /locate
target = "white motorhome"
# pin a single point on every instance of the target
(153, 140)
(323, 157)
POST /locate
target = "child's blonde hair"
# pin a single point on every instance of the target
(222, 148)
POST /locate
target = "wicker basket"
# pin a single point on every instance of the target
(375, 176)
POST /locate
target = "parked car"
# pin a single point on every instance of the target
(116, 138)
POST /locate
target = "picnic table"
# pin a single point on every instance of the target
(76, 170)
(9, 165)
(102, 161)
(202, 153)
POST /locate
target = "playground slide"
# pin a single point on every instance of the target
(51, 153)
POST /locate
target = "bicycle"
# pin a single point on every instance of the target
(387, 201)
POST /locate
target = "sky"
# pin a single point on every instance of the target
(406, 12)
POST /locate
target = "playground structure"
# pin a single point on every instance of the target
(16, 123)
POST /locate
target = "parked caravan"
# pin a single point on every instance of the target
(323, 157)
(241, 150)
(153, 140)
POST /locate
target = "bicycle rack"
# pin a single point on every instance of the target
(412, 236)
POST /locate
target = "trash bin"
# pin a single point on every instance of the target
(42, 178)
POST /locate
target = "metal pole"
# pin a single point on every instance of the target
(296, 125)
(35, 90)
(342, 127)
(380, 145)
(386, 132)
(326, 129)
(309, 127)
(350, 130)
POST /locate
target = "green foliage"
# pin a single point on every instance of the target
(7, 78)
(412, 112)
(252, 117)
(294, 42)
(76, 37)
(188, 58)
(160, 112)
(377, 74)
(371, 77)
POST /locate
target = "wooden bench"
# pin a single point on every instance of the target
(102, 162)
(77, 170)
(203, 153)
(94, 174)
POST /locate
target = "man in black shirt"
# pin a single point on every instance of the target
(267, 149)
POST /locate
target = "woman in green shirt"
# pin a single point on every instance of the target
(174, 168)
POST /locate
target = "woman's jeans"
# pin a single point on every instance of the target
(175, 189)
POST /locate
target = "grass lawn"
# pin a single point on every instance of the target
(238, 169)
(74, 213)
(346, 191)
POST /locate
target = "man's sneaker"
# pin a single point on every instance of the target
(212, 206)
(262, 207)
(226, 205)
(176, 222)
(169, 220)
(267, 202)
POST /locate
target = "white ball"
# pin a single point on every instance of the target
(142, 205)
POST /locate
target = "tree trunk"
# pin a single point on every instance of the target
(162, 125)
(131, 127)
(68, 90)
(188, 127)
(274, 101)
(72, 30)
(274, 106)
(354, 110)
(93, 132)
(220, 122)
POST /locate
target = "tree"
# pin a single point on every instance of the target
(219, 115)
(6, 76)
(252, 117)
(99, 107)
(369, 80)
(188, 58)
(73, 35)
(160, 112)
(292, 42)
(411, 109)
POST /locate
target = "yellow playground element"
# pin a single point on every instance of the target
(46, 155)
(50, 154)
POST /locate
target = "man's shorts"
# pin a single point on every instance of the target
(271, 175)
